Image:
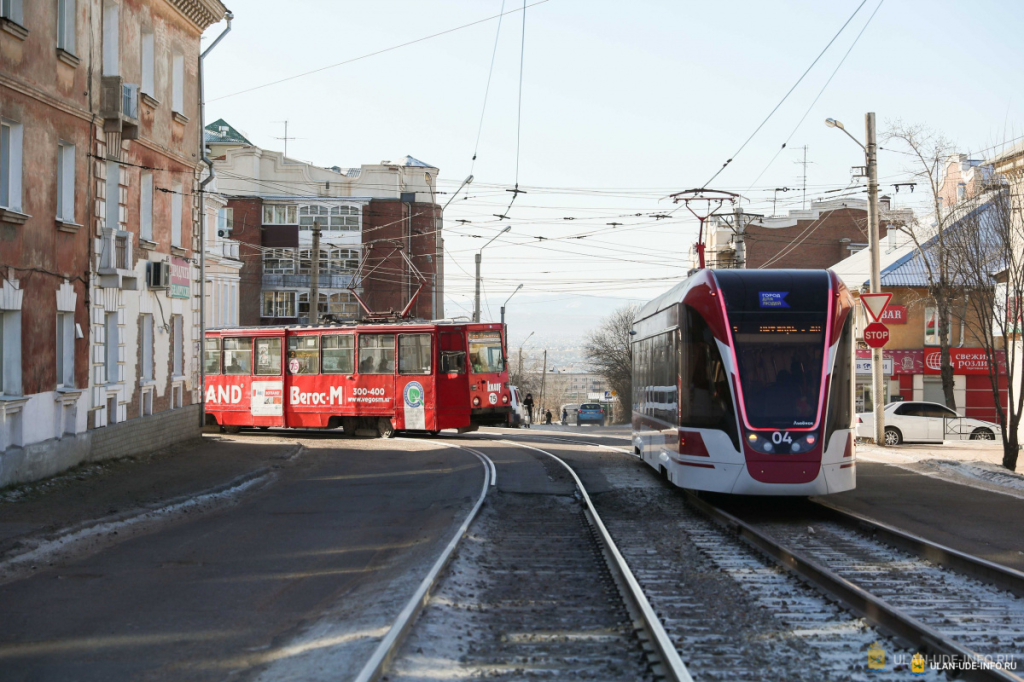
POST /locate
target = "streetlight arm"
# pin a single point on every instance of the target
(464, 183)
(513, 294)
(495, 237)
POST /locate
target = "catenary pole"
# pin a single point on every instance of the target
(314, 279)
(871, 157)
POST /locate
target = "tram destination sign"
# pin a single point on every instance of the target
(876, 334)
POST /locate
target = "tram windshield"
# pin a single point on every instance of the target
(485, 352)
(779, 357)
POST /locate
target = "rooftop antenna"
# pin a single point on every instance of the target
(711, 200)
(286, 138)
(804, 163)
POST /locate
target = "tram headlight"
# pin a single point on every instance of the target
(476, 401)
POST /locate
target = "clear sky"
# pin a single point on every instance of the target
(622, 103)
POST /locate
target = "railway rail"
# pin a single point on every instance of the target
(528, 539)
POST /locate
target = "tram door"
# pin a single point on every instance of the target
(452, 381)
(267, 384)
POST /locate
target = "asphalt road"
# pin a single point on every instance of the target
(297, 581)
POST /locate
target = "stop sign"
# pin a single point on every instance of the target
(876, 334)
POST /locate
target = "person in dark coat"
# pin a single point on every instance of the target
(547, 417)
(528, 404)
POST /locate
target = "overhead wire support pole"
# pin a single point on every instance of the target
(314, 279)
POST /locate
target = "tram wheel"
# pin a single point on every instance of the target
(434, 432)
(385, 428)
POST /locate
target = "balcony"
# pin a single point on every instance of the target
(223, 248)
(119, 107)
(116, 271)
(327, 281)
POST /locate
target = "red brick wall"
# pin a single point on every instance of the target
(389, 288)
(819, 240)
(248, 224)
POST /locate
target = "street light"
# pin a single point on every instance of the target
(871, 169)
(506, 303)
(476, 304)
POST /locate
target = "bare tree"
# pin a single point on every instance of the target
(927, 150)
(988, 241)
(609, 350)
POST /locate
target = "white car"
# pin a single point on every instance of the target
(915, 421)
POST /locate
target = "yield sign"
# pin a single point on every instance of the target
(875, 304)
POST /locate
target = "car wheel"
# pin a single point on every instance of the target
(982, 434)
(893, 436)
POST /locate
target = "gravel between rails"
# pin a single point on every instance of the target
(981, 617)
(528, 595)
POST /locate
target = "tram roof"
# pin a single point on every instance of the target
(355, 325)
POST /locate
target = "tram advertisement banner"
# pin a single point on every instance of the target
(267, 398)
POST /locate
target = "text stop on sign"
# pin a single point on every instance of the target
(876, 334)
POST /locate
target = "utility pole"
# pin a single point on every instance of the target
(871, 156)
(477, 257)
(314, 279)
(543, 376)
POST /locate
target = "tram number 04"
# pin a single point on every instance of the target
(780, 437)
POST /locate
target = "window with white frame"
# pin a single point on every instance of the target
(10, 352)
(10, 165)
(111, 39)
(66, 25)
(65, 350)
(111, 341)
(66, 182)
(225, 222)
(343, 304)
(279, 214)
(176, 214)
(931, 327)
(148, 64)
(146, 207)
(304, 306)
(177, 346)
(279, 261)
(332, 261)
(332, 218)
(178, 83)
(11, 9)
(278, 304)
(113, 195)
(147, 348)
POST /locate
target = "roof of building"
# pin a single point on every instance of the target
(911, 270)
(414, 162)
(221, 132)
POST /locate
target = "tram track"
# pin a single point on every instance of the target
(535, 586)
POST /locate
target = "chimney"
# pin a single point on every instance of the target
(884, 203)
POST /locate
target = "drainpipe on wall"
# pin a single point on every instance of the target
(202, 223)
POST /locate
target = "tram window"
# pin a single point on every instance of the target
(485, 352)
(414, 353)
(706, 401)
(268, 357)
(303, 355)
(376, 353)
(211, 356)
(840, 407)
(453, 353)
(237, 355)
(339, 354)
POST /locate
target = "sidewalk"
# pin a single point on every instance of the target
(115, 494)
(972, 463)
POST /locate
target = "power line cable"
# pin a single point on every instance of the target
(785, 97)
(487, 90)
(372, 54)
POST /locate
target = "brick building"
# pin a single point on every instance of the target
(818, 237)
(274, 202)
(100, 151)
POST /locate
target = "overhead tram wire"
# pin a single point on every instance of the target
(374, 54)
(519, 117)
(820, 93)
(784, 98)
(487, 90)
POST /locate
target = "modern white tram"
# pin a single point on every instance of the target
(743, 383)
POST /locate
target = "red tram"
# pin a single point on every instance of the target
(407, 376)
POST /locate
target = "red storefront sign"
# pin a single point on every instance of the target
(894, 314)
(964, 361)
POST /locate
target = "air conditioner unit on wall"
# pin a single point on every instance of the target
(158, 275)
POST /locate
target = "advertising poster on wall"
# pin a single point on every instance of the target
(180, 271)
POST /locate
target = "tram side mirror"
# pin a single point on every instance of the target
(453, 362)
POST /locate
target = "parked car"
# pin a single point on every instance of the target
(590, 413)
(571, 410)
(921, 422)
